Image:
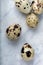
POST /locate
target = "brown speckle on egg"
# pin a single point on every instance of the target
(7, 30)
(22, 50)
(28, 53)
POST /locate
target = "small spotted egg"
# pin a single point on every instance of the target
(23, 6)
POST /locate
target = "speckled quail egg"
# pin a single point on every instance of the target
(32, 20)
(13, 31)
(27, 52)
(37, 6)
(23, 5)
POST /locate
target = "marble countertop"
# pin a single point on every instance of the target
(10, 50)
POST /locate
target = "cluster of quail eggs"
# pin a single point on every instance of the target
(25, 6)
(13, 31)
(33, 8)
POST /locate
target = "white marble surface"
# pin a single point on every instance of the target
(10, 50)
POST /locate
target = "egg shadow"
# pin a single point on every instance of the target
(23, 62)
